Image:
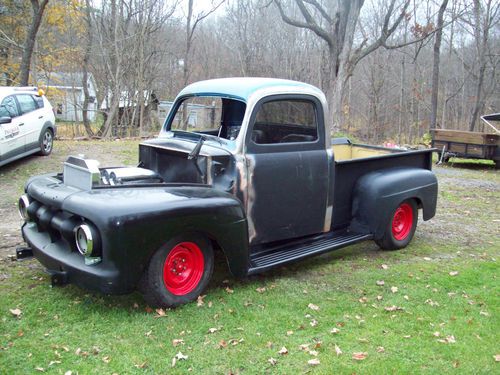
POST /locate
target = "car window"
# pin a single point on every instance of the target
(26, 103)
(285, 121)
(8, 108)
(38, 101)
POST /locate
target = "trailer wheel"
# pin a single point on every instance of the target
(178, 272)
(401, 227)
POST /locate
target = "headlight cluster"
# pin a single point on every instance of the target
(87, 240)
(22, 206)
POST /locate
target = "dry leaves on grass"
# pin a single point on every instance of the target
(380, 282)
(213, 330)
(334, 331)
(16, 312)
(385, 266)
(453, 273)
(394, 289)
(393, 308)
(176, 342)
(314, 307)
(283, 351)
(448, 340)
(229, 290)
(272, 361)
(178, 357)
(261, 290)
(497, 357)
(338, 351)
(199, 300)
(359, 356)
(313, 362)
(160, 313)
(380, 349)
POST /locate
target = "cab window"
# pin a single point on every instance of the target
(285, 121)
(8, 108)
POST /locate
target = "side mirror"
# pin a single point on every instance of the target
(5, 120)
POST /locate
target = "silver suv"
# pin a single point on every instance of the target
(27, 123)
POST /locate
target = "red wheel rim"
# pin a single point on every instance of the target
(183, 268)
(402, 222)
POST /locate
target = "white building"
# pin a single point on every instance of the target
(65, 92)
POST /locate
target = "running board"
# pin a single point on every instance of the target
(265, 260)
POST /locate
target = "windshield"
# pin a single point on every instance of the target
(210, 115)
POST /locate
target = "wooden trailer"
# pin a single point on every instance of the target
(465, 144)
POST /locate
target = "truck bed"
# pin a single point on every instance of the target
(354, 160)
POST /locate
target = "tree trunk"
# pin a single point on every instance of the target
(435, 65)
(85, 77)
(29, 44)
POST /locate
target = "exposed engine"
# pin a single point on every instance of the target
(85, 174)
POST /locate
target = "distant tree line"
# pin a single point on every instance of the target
(391, 69)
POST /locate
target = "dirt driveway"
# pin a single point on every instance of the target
(468, 205)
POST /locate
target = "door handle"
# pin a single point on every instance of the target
(40, 117)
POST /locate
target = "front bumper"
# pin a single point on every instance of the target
(59, 258)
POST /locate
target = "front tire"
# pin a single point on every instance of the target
(46, 142)
(178, 272)
(401, 227)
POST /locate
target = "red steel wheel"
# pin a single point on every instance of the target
(178, 272)
(402, 221)
(401, 226)
(183, 268)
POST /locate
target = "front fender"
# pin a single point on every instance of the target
(135, 222)
(377, 194)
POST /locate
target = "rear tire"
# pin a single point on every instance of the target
(401, 227)
(178, 272)
(46, 142)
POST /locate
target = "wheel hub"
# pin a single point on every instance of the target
(402, 222)
(183, 268)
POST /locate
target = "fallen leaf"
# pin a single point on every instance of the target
(283, 351)
(54, 363)
(68, 373)
(359, 356)
(394, 289)
(379, 298)
(289, 333)
(363, 300)
(221, 344)
(453, 273)
(448, 340)
(436, 334)
(142, 365)
(261, 290)
(176, 342)
(407, 336)
(148, 333)
(484, 313)
(427, 258)
(380, 349)
(313, 362)
(380, 282)
(181, 357)
(160, 313)
(212, 330)
(334, 331)
(314, 353)
(304, 347)
(106, 359)
(229, 290)
(393, 308)
(406, 298)
(41, 369)
(313, 323)
(363, 340)
(337, 350)
(384, 266)
(497, 357)
(269, 345)
(272, 361)
(314, 307)
(199, 300)
(16, 312)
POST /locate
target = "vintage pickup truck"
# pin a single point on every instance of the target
(242, 165)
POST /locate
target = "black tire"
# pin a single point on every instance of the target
(401, 227)
(167, 282)
(46, 142)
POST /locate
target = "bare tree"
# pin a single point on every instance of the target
(436, 62)
(38, 8)
(337, 28)
(85, 69)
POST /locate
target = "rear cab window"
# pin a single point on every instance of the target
(285, 121)
(26, 103)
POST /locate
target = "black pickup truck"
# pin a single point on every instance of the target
(242, 165)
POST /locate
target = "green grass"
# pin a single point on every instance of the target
(85, 332)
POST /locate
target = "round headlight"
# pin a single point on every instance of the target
(84, 240)
(22, 206)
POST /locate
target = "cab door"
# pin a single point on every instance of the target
(31, 120)
(11, 137)
(287, 169)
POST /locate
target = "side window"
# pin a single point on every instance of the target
(285, 121)
(8, 107)
(26, 103)
(38, 101)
